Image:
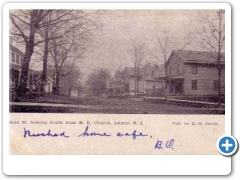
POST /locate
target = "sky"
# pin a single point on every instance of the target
(124, 28)
(121, 29)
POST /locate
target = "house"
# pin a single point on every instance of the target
(48, 88)
(145, 82)
(35, 81)
(114, 87)
(194, 73)
(74, 93)
(150, 85)
(131, 81)
(15, 69)
(15, 65)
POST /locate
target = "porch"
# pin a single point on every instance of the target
(175, 85)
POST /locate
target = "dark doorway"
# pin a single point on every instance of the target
(176, 86)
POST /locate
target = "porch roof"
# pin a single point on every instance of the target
(15, 66)
(175, 77)
(170, 77)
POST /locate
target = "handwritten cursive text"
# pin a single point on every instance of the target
(86, 133)
(49, 134)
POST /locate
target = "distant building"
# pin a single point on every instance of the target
(145, 82)
(131, 81)
(150, 85)
(48, 88)
(35, 80)
(74, 93)
(115, 87)
(194, 73)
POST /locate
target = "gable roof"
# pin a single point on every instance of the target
(147, 73)
(130, 71)
(203, 57)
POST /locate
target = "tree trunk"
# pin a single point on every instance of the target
(138, 79)
(54, 81)
(22, 89)
(69, 91)
(219, 87)
(135, 78)
(45, 60)
(69, 85)
(57, 85)
(166, 82)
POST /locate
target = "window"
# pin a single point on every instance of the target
(216, 84)
(13, 57)
(178, 69)
(194, 84)
(21, 60)
(17, 59)
(194, 69)
(170, 70)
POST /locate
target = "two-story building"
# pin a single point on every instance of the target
(15, 67)
(114, 88)
(146, 82)
(194, 73)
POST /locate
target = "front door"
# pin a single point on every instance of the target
(178, 87)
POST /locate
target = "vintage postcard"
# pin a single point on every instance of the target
(133, 80)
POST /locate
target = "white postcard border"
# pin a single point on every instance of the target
(114, 164)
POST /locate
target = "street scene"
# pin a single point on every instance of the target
(117, 61)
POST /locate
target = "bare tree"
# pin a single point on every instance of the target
(138, 54)
(72, 81)
(65, 53)
(42, 26)
(166, 43)
(25, 25)
(211, 37)
(56, 25)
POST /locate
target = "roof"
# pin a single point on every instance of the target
(18, 66)
(155, 74)
(188, 56)
(13, 48)
(146, 72)
(130, 71)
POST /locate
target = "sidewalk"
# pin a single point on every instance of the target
(184, 102)
(51, 105)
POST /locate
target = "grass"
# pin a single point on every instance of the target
(110, 105)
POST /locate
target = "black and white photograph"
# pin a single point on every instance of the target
(117, 61)
(111, 88)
